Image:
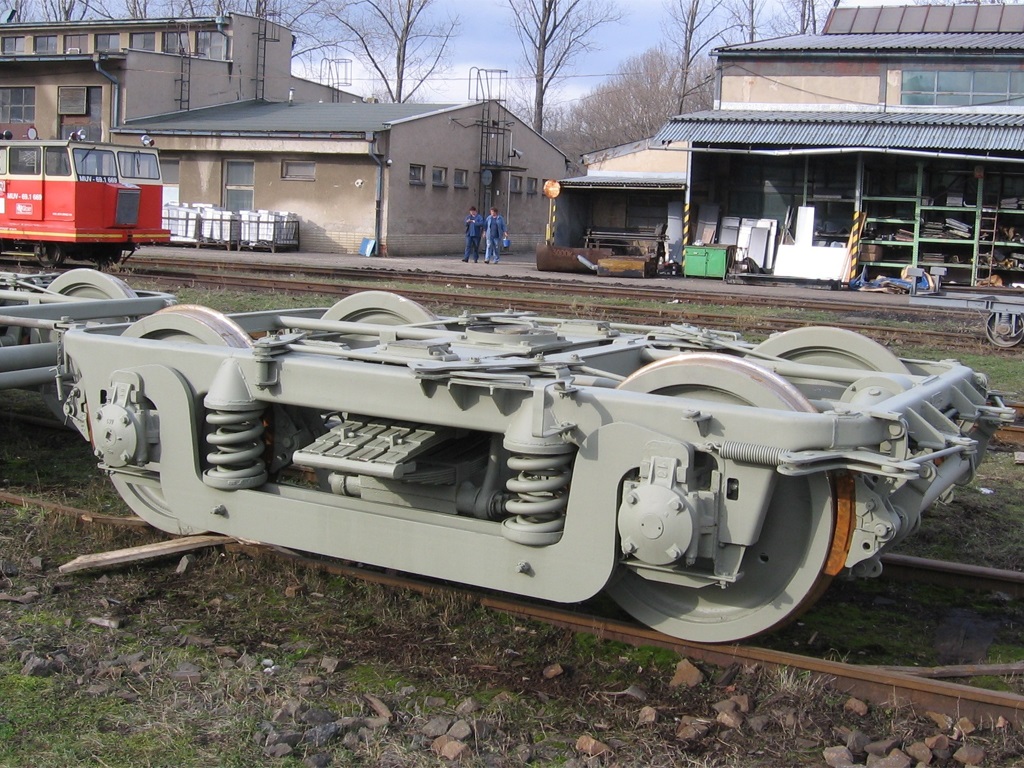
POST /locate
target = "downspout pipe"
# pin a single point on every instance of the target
(379, 192)
(115, 101)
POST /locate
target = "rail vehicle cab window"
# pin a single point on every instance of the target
(25, 161)
(3, 161)
(138, 165)
(93, 164)
(57, 161)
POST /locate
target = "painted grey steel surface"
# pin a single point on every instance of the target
(710, 484)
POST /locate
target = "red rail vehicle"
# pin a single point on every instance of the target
(75, 199)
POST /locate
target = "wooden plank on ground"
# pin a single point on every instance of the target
(144, 552)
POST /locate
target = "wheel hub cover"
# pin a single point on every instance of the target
(655, 523)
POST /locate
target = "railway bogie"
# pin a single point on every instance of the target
(71, 199)
(713, 486)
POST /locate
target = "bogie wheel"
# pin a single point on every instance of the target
(832, 347)
(90, 284)
(189, 324)
(51, 254)
(379, 308)
(1005, 329)
(783, 572)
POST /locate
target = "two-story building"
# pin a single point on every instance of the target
(901, 127)
(236, 129)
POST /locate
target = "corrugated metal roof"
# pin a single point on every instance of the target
(897, 43)
(622, 182)
(250, 117)
(889, 130)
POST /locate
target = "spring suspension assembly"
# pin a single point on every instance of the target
(541, 488)
(235, 421)
(235, 437)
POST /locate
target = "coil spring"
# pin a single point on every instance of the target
(751, 453)
(539, 509)
(236, 458)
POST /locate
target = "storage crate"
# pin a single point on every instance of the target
(183, 223)
(269, 229)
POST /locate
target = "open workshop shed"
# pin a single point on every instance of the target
(893, 139)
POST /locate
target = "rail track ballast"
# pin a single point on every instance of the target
(712, 486)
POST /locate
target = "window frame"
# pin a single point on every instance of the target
(17, 43)
(211, 44)
(232, 188)
(52, 48)
(439, 176)
(460, 178)
(515, 184)
(531, 185)
(80, 42)
(177, 49)
(417, 174)
(101, 42)
(290, 170)
(146, 37)
(8, 107)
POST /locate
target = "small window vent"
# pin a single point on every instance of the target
(71, 100)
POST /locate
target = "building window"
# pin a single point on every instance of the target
(76, 43)
(531, 186)
(461, 178)
(417, 173)
(515, 185)
(142, 41)
(239, 180)
(932, 88)
(439, 176)
(17, 105)
(175, 42)
(169, 170)
(304, 170)
(212, 45)
(107, 42)
(12, 46)
(45, 44)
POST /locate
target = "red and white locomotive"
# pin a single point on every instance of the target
(75, 199)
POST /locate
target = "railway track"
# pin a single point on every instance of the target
(491, 294)
(880, 685)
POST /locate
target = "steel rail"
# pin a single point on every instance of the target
(492, 301)
(693, 294)
(871, 683)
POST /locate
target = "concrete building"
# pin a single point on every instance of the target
(901, 128)
(403, 175)
(236, 129)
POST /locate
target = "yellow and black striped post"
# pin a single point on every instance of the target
(853, 245)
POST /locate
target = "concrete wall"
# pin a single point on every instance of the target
(422, 219)
(642, 161)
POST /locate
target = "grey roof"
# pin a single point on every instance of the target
(278, 118)
(621, 182)
(927, 18)
(973, 133)
(975, 43)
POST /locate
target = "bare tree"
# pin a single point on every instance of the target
(399, 42)
(800, 17)
(696, 26)
(553, 33)
(631, 105)
(747, 17)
